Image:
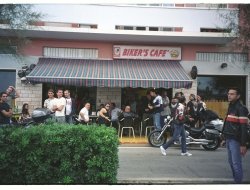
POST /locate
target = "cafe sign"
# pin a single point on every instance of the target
(146, 52)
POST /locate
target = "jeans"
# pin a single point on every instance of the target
(234, 159)
(60, 119)
(157, 120)
(178, 131)
(69, 119)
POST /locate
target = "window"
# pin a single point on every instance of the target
(93, 26)
(220, 30)
(9, 78)
(215, 87)
(221, 57)
(140, 28)
(8, 49)
(70, 52)
(148, 28)
(153, 28)
(166, 29)
(128, 28)
(57, 24)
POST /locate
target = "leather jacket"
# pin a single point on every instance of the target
(236, 121)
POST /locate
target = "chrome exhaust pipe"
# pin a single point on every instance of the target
(201, 140)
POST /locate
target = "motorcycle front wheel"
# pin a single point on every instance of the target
(152, 138)
(212, 146)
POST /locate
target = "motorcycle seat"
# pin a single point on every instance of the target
(197, 130)
(209, 126)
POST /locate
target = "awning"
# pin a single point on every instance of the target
(110, 73)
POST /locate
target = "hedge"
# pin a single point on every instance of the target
(58, 154)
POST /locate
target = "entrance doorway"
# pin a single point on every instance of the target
(134, 97)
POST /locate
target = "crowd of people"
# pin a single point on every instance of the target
(155, 105)
(64, 107)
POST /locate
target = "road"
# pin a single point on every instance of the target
(146, 165)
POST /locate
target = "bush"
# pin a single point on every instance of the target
(58, 154)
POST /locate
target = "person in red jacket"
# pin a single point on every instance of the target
(235, 132)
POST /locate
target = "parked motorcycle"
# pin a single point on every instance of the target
(209, 135)
(38, 116)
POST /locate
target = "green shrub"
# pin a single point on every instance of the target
(58, 154)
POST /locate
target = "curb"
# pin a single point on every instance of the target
(169, 181)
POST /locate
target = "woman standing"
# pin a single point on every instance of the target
(104, 117)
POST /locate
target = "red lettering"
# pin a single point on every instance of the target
(145, 51)
(131, 52)
(152, 52)
(135, 52)
(124, 53)
(139, 52)
(158, 53)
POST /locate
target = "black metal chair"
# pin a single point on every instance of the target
(127, 123)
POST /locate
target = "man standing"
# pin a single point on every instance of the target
(166, 110)
(235, 133)
(146, 112)
(59, 107)
(157, 108)
(192, 110)
(5, 110)
(48, 103)
(70, 107)
(178, 114)
(12, 94)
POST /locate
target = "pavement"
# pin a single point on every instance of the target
(144, 165)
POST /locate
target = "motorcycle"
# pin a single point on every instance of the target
(38, 116)
(208, 136)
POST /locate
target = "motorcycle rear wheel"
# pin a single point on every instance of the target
(212, 146)
(152, 138)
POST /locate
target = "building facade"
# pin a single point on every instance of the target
(159, 44)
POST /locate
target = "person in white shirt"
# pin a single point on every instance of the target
(156, 107)
(59, 107)
(48, 103)
(70, 107)
(84, 114)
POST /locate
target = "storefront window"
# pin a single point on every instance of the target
(9, 78)
(215, 87)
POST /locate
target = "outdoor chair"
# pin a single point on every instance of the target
(149, 126)
(127, 123)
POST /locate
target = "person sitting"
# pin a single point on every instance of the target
(128, 113)
(128, 118)
(84, 114)
(25, 115)
(98, 111)
(115, 113)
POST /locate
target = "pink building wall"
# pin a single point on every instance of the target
(35, 48)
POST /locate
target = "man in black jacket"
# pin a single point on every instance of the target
(235, 133)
